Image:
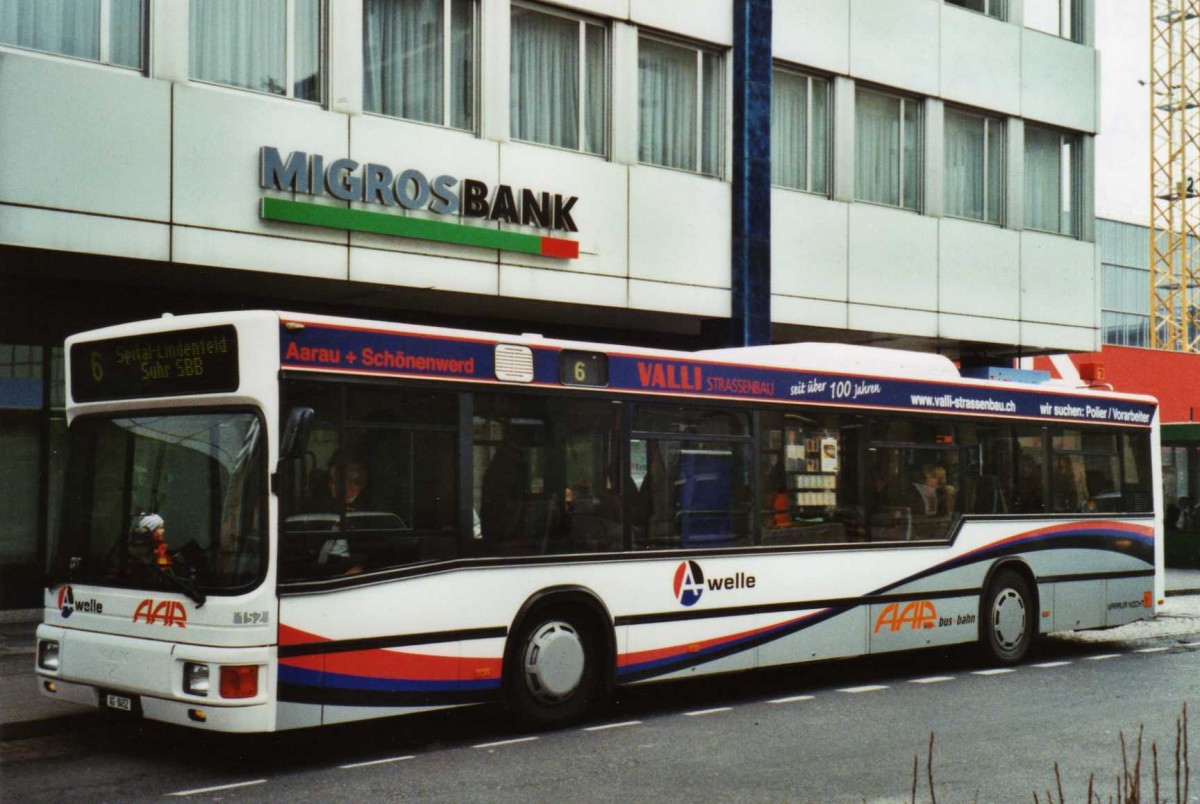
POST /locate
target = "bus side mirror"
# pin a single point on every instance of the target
(294, 441)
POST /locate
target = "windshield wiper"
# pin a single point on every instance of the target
(186, 587)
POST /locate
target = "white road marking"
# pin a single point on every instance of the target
(995, 671)
(792, 699)
(714, 711)
(375, 762)
(868, 688)
(200, 790)
(1190, 645)
(1048, 665)
(1103, 656)
(614, 725)
(930, 680)
(1151, 650)
(506, 742)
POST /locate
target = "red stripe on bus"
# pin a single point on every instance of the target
(294, 636)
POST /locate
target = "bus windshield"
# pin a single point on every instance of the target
(172, 501)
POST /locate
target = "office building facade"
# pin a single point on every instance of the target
(913, 173)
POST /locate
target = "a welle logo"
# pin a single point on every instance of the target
(68, 605)
(690, 583)
(371, 183)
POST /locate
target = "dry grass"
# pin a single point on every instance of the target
(1128, 780)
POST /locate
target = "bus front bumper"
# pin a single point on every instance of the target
(149, 678)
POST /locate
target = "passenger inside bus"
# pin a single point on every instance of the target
(935, 497)
(341, 486)
(503, 514)
(344, 491)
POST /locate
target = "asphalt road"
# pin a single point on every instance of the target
(838, 731)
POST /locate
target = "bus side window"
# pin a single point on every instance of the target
(378, 485)
(1029, 465)
(987, 472)
(695, 484)
(809, 486)
(1136, 493)
(408, 510)
(1085, 475)
(916, 476)
(545, 475)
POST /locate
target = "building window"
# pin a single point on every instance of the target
(974, 152)
(888, 149)
(993, 8)
(1056, 17)
(679, 106)
(1051, 181)
(559, 84)
(1125, 282)
(107, 31)
(800, 132)
(419, 60)
(1125, 306)
(271, 46)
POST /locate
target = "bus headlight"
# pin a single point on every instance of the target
(195, 679)
(47, 654)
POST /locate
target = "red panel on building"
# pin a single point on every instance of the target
(1173, 377)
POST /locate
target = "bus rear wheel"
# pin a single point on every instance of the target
(555, 667)
(1008, 618)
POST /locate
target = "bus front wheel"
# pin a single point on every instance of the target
(554, 667)
(1008, 618)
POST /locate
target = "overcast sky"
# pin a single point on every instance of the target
(1123, 144)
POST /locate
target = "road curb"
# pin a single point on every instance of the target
(25, 729)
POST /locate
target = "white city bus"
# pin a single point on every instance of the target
(275, 520)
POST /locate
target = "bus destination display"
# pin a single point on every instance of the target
(583, 368)
(192, 361)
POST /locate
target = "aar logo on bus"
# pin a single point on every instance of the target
(689, 583)
(161, 612)
(917, 615)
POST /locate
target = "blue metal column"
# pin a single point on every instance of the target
(750, 318)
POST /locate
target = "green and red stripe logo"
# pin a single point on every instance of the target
(361, 220)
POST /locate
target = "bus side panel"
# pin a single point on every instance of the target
(968, 577)
(326, 673)
(905, 625)
(716, 644)
(359, 684)
(1045, 592)
(349, 714)
(296, 715)
(840, 636)
(1128, 600)
(1078, 605)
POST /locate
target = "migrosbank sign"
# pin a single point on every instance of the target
(394, 191)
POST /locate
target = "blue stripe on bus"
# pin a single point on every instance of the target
(316, 678)
(342, 349)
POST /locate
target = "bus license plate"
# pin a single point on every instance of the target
(122, 703)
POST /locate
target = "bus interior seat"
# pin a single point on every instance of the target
(890, 523)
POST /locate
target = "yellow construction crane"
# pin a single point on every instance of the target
(1175, 175)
